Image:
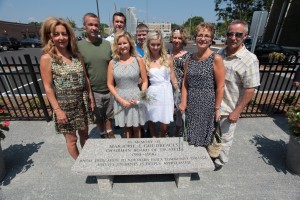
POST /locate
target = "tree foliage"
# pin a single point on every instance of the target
(191, 24)
(102, 26)
(173, 25)
(71, 22)
(35, 23)
(221, 28)
(228, 10)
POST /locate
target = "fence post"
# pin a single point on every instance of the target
(36, 86)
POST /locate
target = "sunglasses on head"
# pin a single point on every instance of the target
(236, 34)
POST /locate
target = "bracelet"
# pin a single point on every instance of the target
(56, 108)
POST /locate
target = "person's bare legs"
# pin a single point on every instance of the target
(128, 132)
(83, 136)
(163, 130)
(108, 127)
(71, 140)
(137, 132)
(101, 128)
(152, 129)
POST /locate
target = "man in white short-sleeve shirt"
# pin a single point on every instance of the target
(241, 79)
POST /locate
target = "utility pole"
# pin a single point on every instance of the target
(97, 9)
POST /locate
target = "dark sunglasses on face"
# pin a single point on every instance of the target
(236, 34)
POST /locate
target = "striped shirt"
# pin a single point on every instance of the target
(242, 72)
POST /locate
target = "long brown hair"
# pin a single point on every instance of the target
(47, 28)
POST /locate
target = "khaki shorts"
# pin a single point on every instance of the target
(104, 108)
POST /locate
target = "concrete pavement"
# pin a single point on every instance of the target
(39, 167)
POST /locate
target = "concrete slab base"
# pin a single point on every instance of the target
(182, 180)
(105, 183)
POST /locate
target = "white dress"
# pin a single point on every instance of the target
(161, 108)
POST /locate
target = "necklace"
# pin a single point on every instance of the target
(154, 60)
(199, 57)
(178, 53)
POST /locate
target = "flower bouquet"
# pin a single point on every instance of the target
(142, 98)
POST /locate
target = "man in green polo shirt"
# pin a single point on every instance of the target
(97, 54)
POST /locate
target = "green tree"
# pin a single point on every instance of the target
(191, 24)
(174, 26)
(228, 10)
(102, 26)
(71, 22)
(221, 29)
(35, 23)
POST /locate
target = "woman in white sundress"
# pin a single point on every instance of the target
(161, 74)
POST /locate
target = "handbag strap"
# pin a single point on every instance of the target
(217, 132)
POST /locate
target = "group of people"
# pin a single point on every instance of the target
(133, 83)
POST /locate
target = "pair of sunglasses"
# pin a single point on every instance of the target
(236, 34)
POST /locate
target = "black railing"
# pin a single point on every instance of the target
(21, 89)
(23, 96)
(276, 92)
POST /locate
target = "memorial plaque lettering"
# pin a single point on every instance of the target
(141, 156)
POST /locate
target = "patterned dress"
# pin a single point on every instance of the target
(71, 94)
(200, 101)
(179, 65)
(127, 77)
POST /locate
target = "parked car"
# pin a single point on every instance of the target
(31, 42)
(248, 43)
(262, 51)
(9, 43)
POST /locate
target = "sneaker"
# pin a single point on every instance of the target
(111, 135)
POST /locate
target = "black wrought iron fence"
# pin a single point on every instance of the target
(23, 96)
(21, 89)
(276, 92)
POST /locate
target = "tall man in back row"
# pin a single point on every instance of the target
(241, 79)
(119, 24)
(97, 54)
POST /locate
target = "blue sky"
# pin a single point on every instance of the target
(174, 11)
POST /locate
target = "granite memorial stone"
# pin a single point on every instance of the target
(106, 158)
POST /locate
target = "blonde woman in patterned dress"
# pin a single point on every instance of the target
(66, 83)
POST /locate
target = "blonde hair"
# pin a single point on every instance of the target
(155, 35)
(206, 25)
(116, 51)
(47, 28)
(182, 32)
